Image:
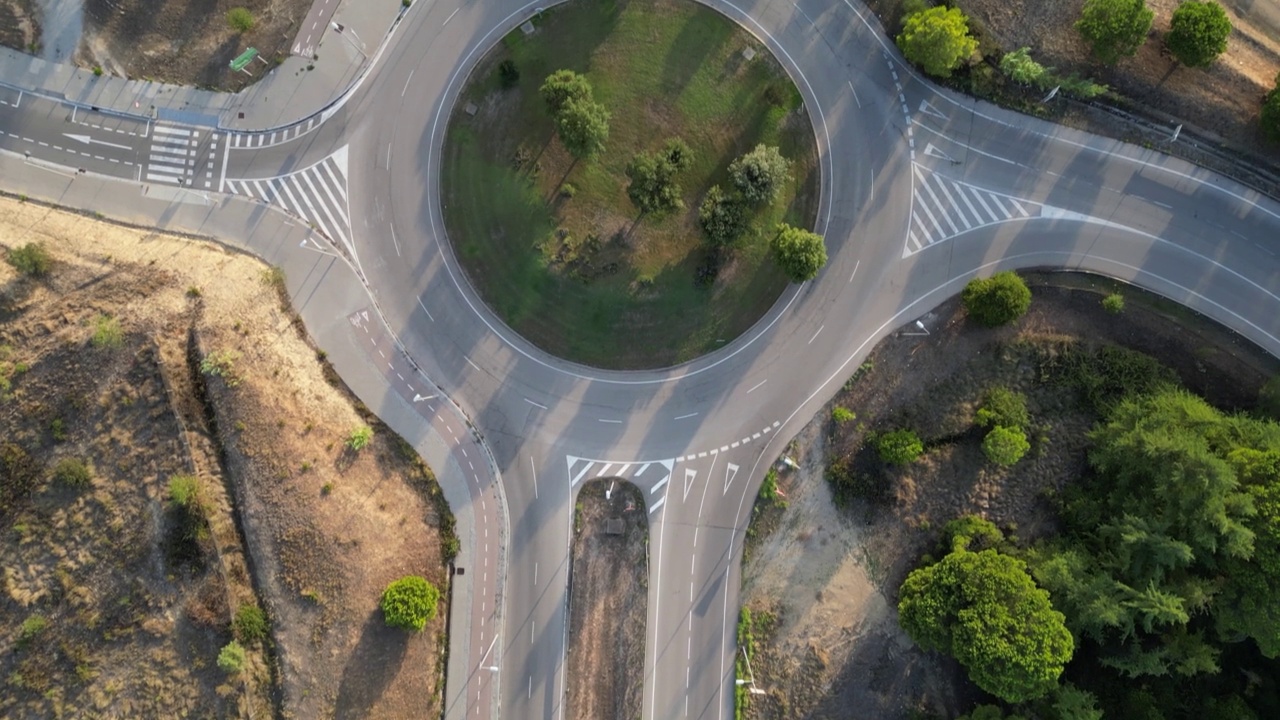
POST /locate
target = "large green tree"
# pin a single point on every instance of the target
(800, 253)
(722, 216)
(654, 186)
(984, 609)
(1115, 28)
(937, 39)
(562, 86)
(760, 174)
(583, 127)
(1198, 33)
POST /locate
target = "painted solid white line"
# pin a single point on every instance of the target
(604, 470)
(455, 12)
(685, 417)
(924, 206)
(616, 422)
(472, 364)
(642, 469)
(660, 484)
(757, 386)
(534, 470)
(428, 312)
(339, 182)
(1018, 206)
(855, 94)
(815, 335)
(406, 82)
(544, 407)
(855, 271)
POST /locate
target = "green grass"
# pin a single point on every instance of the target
(663, 69)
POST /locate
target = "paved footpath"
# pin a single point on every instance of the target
(288, 93)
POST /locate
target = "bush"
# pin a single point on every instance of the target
(184, 491)
(722, 217)
(250, 624)
(759, 174)
(1269, 398)
(107, 332)
(937, 39)
(799, 253)
(1005, 445)
(359, 438)
(31, 629)
(1002, 406)
(1198, 33)
(240, 19)
(769, 488)
(653, 186)
(1270, 119)
(1113, 303)
(232, 658)
(842, 415)
(31, 260)
(73, 471)
(1020, 68)
(409, 603)
(1114, 28)
(899, 447)
(508, 74)
(997, 300)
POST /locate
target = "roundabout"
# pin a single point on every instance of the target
(921, 190)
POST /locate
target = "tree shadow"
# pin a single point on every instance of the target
(374, 663)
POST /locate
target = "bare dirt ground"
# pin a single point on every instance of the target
(830, 570)
(324, 528)
(608, 601)
(19, 24)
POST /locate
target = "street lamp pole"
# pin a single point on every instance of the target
(923, 329)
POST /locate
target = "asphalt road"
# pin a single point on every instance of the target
(922, 190)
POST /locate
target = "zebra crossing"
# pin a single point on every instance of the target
(316, 194)
(180, 156)
(651, 476)
(255, 140)
(942, 208)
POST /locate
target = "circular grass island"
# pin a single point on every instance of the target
(649, 246)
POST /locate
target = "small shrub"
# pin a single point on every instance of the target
(250, 624)
(240, 19)
(72, 471)
(107, 332)
(193, 291)
(232, 658)
(1270, 119)
(406, 3)
(508, 74)
(58, 430)
(31, 628)
(899, 447)
(1113, 303)
(567, 191)
(997, 300)
(769, 488)
(221, 363)
(326, 489)
(842, 415)
(1269, 398)
(31, 260)
(184, 491)
(1002, 406)
(359, 438)
(409, 603)
(97, 71)
(1005, 446)
(1023, 69)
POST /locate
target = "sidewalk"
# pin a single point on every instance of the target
(289, 92)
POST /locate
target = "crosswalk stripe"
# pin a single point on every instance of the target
(169, 169)
(996, 199)
(1018, 205)
(978, 196)
(941, 210)
(338, 207)
(162, 150)
(337, 179)
(324, 207)
(960, 191)
(166, 130)
(290, 199)
(924, 231)
(159, 178)
(925, 207)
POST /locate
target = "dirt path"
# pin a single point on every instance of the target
(608, 601)
(830, 570)
(324, 528)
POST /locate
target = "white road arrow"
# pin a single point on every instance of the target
(90, 141)
(420, 398)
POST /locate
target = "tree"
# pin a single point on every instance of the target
(759, 174)
(899, 447)
(800, 253)
(1198, 33)
(231, 658)
(653, 186)
(1020, 68)
(1002, 406)
(985, 610)
(997, 300)
(1072, 703)
(583, 127)
(240, 19)
(1115, 28)
(1271, 113)
(562, 86)
(250, 624)
(937, 39)
(410, 603)
(1005, 446)
(721, 216)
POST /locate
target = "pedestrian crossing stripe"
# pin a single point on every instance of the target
(270, 138)
(657, 472)
(316, 194)
(942, 208)
(172, 153)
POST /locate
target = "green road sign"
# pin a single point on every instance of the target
(244, 58)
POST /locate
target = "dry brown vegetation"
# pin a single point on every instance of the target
(138, 601)
(830, 571)
(608, 602)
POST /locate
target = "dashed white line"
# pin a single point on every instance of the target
(757, 386)
(615, 422)
(685, 417)
(815, 335)
(544, 407)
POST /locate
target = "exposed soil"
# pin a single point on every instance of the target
(185, 42)
(1222, 102)
(19, 25)
(324, 528)
(607, 602)
(831, 569)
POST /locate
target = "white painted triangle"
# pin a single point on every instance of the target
(339, 158)
(574, 460)
(730, 472)
(928, 109)
(929, 149)
(689, 477)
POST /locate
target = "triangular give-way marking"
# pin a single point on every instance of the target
(730, 472)
(689, 477)
(928, 109)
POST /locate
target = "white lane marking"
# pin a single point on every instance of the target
(582, 472)
(757, 386)
(393, 239)
(534, 470)
(655, 507)
(685, 417)
(855, 269)
(455, 12)
(855, 94)
(406, 82)
(615, 422)
(428, 312)
(544, 407)
(815, 335)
